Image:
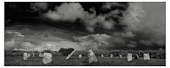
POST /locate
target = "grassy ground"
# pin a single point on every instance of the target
(75, 61)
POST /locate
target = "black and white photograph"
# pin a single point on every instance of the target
(84, 33)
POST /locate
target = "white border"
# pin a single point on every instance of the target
(2, 31)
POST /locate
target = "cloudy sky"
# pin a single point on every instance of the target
(85, 25)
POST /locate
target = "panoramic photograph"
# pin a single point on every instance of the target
(84, 34)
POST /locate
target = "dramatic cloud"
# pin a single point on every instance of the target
(13, 6)
(90, 29)
(147, 19)
(46, 37)
(73, 11)
(123, 26)
(121, 39)
(111, 5)
(124, 34)
(133, 16)
(67, 11)
(10, 44)
(15, 33)
(26, 45)
(108, 25)
(146, 42)
(13, 43)
(132, 44)
(39, 6)
(94, 41)
(152, 42)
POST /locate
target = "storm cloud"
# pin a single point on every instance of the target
(39, 6)
(147, 19)
(73, 11)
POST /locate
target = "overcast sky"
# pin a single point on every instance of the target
(112, 25)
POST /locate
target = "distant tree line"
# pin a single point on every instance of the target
(65, 51)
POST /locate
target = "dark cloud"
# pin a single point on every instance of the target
(124, 34)
(28, 37)
(113, 5)
(12, 5)
(119, 40)
(132, 44)
(73, 11)
(152, 42)
(39, 6)
(148, 19)
(146, 42)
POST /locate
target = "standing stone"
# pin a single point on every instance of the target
(40, 55)
(146, 56)
(80, 56)
(25, 56)
(102, 55)
(91, 56)
(120, 56)
(29, 55)
(111, 55)
(33, 55)
(47, 58)
(129, 57)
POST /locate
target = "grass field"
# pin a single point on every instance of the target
(75, 61)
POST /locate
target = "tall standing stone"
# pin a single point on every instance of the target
(33, 55)
(111, 55)
(146, 56)
(47, 58)
(120, 56)
(25, 56)
(91, 56)
(40, 55)
(129, 57)
(102, 55)
(80, 56)
(29, 55)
